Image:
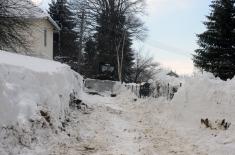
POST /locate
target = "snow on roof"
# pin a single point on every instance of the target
(162, 76)
(26, 9)
(171, 73)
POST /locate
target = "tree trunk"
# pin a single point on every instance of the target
(81, 36)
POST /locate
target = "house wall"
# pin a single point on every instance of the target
(36, 39)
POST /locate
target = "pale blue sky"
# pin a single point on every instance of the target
(173, 25)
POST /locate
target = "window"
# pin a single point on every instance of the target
(45, 37)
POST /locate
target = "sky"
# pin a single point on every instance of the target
(172, 28)
(173, 25)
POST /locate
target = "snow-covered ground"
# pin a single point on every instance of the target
(124, 126)
(36, 118)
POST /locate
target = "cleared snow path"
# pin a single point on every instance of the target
(120, 126)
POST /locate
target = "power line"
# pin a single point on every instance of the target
(169, 49)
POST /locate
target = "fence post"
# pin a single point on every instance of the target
(84, 84)
(168, 91)
(136, 90)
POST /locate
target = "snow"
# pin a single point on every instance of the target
(27, 83)
(122, 126)
(24, 8)
(204, 97)
(28, 86)
(27, 9)
(31, 63)
(36, 117)
(201, 96)
(163, 78)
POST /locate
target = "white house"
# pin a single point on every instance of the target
(40, 35)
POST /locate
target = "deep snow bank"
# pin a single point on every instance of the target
(28, 84)
(34, 101)
(203, 97)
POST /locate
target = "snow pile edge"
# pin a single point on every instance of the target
(35, 96)
(27, 83)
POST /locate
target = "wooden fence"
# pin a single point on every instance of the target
(156, 90)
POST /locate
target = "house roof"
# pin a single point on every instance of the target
(26, 9)
(52, 22)
(171, 73)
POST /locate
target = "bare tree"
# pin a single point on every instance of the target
(14, 15)
(120, 20)
(145, 68)
(120, 57)
(129, 8)
(121, 16)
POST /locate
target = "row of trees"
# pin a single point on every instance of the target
(96, 32)
(102, 31)
(217, 44)
(93, 32)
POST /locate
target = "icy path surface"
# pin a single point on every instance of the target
(116, 126)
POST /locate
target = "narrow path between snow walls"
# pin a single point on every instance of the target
(122, 126)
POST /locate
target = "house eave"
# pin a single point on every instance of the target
(53, 23)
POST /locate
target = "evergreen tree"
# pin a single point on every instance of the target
(88, 68)
(113, 42)
(83, 24)
(65, 42)
(128, 59)
(217, 44)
